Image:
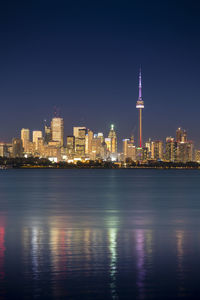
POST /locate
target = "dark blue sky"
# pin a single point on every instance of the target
(84, 56)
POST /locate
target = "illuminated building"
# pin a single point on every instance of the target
(98, 148)
(157, 150)
(88, 141)
(80, 134)
(100, 136)
(36, 136)
(197, 156)
(70, 145)
(170, 149)
(17, 147)
(25, 137)
(76, 131)
(185, 151)
(181, 135)
(30, 149)
(57, 129)
(129, 150)
(4, 150)
(47, 134)
(140, 106)
(108, 144)
(51, 152)
(148, 147)
(40, 145)
(113, 140)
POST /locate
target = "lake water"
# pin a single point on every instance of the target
(99, 234)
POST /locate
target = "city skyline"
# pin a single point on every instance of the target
(85, 58)
(57, 134)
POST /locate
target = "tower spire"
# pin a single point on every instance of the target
(140, 85)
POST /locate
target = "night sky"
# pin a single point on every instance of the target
(83, 57)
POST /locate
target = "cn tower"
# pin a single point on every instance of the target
(140, 106)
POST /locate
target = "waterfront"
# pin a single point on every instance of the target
(104, 234)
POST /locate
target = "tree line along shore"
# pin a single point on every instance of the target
(35, 163)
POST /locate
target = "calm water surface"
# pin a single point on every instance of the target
(99, 234)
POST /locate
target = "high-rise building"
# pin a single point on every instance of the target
(47, 134)
(36, 135)
(80, 134)
(157, 150)
(76, 131)
(148, 147)
(170, 149)
(25, 137)
(129, 150)
(181, 135)
(17, 148)
(70, 145)
(197, 156)
(88, 141)
(4, 150)
(57, 130)
(113, 140)
(185, 151)
(140, 106)
(108, 144)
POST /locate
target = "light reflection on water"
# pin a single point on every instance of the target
(103, 239)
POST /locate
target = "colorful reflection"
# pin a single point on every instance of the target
(141, 272)
(2, 248)
(112, 236)
(180, 266)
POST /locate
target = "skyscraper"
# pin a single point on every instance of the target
(70, 145)
(76, 131)
(25, 137)
(17, 147)
(181, 135)
(140, 106)
(57, 129)
(80, 134)
(47, 134)
(129, 150)
(157, 150)
(113, 137)
(88, 141)
(36, 135)
(170, 149)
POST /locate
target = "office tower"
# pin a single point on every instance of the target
(80, 134)
(96, 147)
(36, 135)
(157, 150)
(25, 137)
(185, 151)
(4, 150)
(108, 144)
(57, 130)
(17, 147)
(76, 131)
(113, 140)
(170, 149)
(47, 134)
(129, 150)
(70, 145)
(197, 156)
(88, 141)
(40, 147)
(140, 106)
(181, 135)
(100, 136)
(148, 147)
